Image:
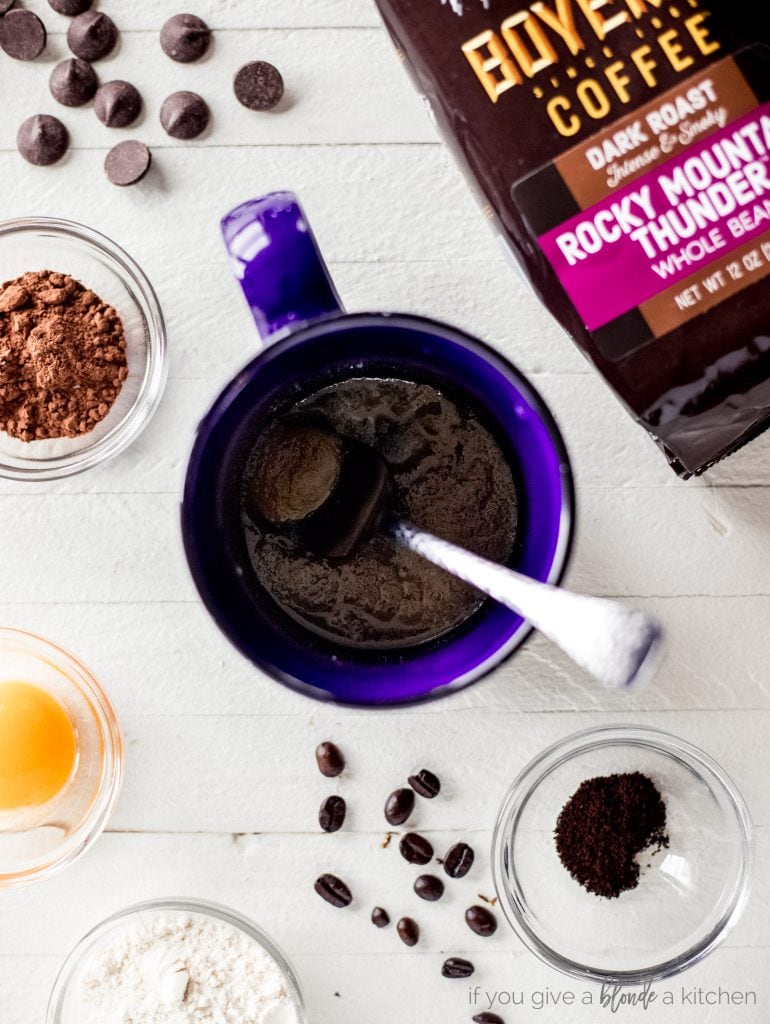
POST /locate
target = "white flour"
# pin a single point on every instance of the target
(184, 969)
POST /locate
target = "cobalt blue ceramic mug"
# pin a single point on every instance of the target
(309, 342)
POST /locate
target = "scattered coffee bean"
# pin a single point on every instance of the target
(380, 918)
(92, 35)
(429, 888)
(184, 115)
(42, 140)
(6, 5)
(459, 860)
(331, 817)
(488, 1018)
(73, 82)
(425, 783)
(70, 7)
(258, 86)
(481, 921)
(455, 967)
(408, 931)
(330, 761)
(117, 104)
(415, 849)
(22, 35)
(333, 890)
(399, 806)
(127, 163)
(185, 38)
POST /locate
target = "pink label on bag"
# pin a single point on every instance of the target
(668, 225)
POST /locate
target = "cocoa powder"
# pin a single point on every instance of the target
(62, 357)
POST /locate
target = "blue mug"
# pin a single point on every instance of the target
(309, 342)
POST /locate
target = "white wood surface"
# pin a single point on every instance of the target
(221, 791)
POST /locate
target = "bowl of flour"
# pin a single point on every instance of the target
(176, 962)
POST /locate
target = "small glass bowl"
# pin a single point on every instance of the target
(39, 842)
(101, 265)
(62, 1005)
(689, 895)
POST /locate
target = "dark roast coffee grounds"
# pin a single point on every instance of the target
(604, 827)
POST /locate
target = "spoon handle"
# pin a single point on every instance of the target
(619, 646)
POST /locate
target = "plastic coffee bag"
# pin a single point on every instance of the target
(623, 149)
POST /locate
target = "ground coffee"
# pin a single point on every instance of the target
(604, 827)
(62, 357)
(621, 148)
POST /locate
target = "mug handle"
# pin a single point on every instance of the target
(275, 257)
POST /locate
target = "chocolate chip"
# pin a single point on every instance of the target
(330, 761)
(380, 918)
(117, 104)
(92, 35)
(70, 7)
(415, 849)
(127, 163)
(73, 82)
(184, 115)
(333, 890)
(331, 817)
(425, 784)
(456, 967)
(459, 860)
(429, 888)
(399, 806)
(22, 35)
(42, 140)
(481, 921)
(487, 1018)
(408, 931)
(258, 86)
(185, 38)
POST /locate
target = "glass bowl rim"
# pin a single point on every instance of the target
(112, 774)
(138, 416)
(189, 905)
(569, 747)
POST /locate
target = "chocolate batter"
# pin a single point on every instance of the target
(451, 478)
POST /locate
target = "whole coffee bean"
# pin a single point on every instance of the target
(455, 967)
(330, 761)
(408, 931)
(258, 85)
(127, 163)
(429, 888)
(333, 890)
(42, 140)
(92, 35)
(415, 849)
(380, 917)
(73, 82)
(425, 783)
(488, 1018)
(117, 104)
(399, 806)
(481, 921)
(185, 38)
(22, 35)
(459, 860)
(184, 115)
(331, 817)
(70, 7)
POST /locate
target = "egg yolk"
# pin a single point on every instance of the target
(38, 746)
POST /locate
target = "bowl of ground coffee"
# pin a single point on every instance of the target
(623, 855)
(82, 349)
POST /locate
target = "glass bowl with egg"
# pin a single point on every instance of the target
(104, 268)
(61, 758)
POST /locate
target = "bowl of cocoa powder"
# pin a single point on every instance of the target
(82, 349)
(623, 855)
